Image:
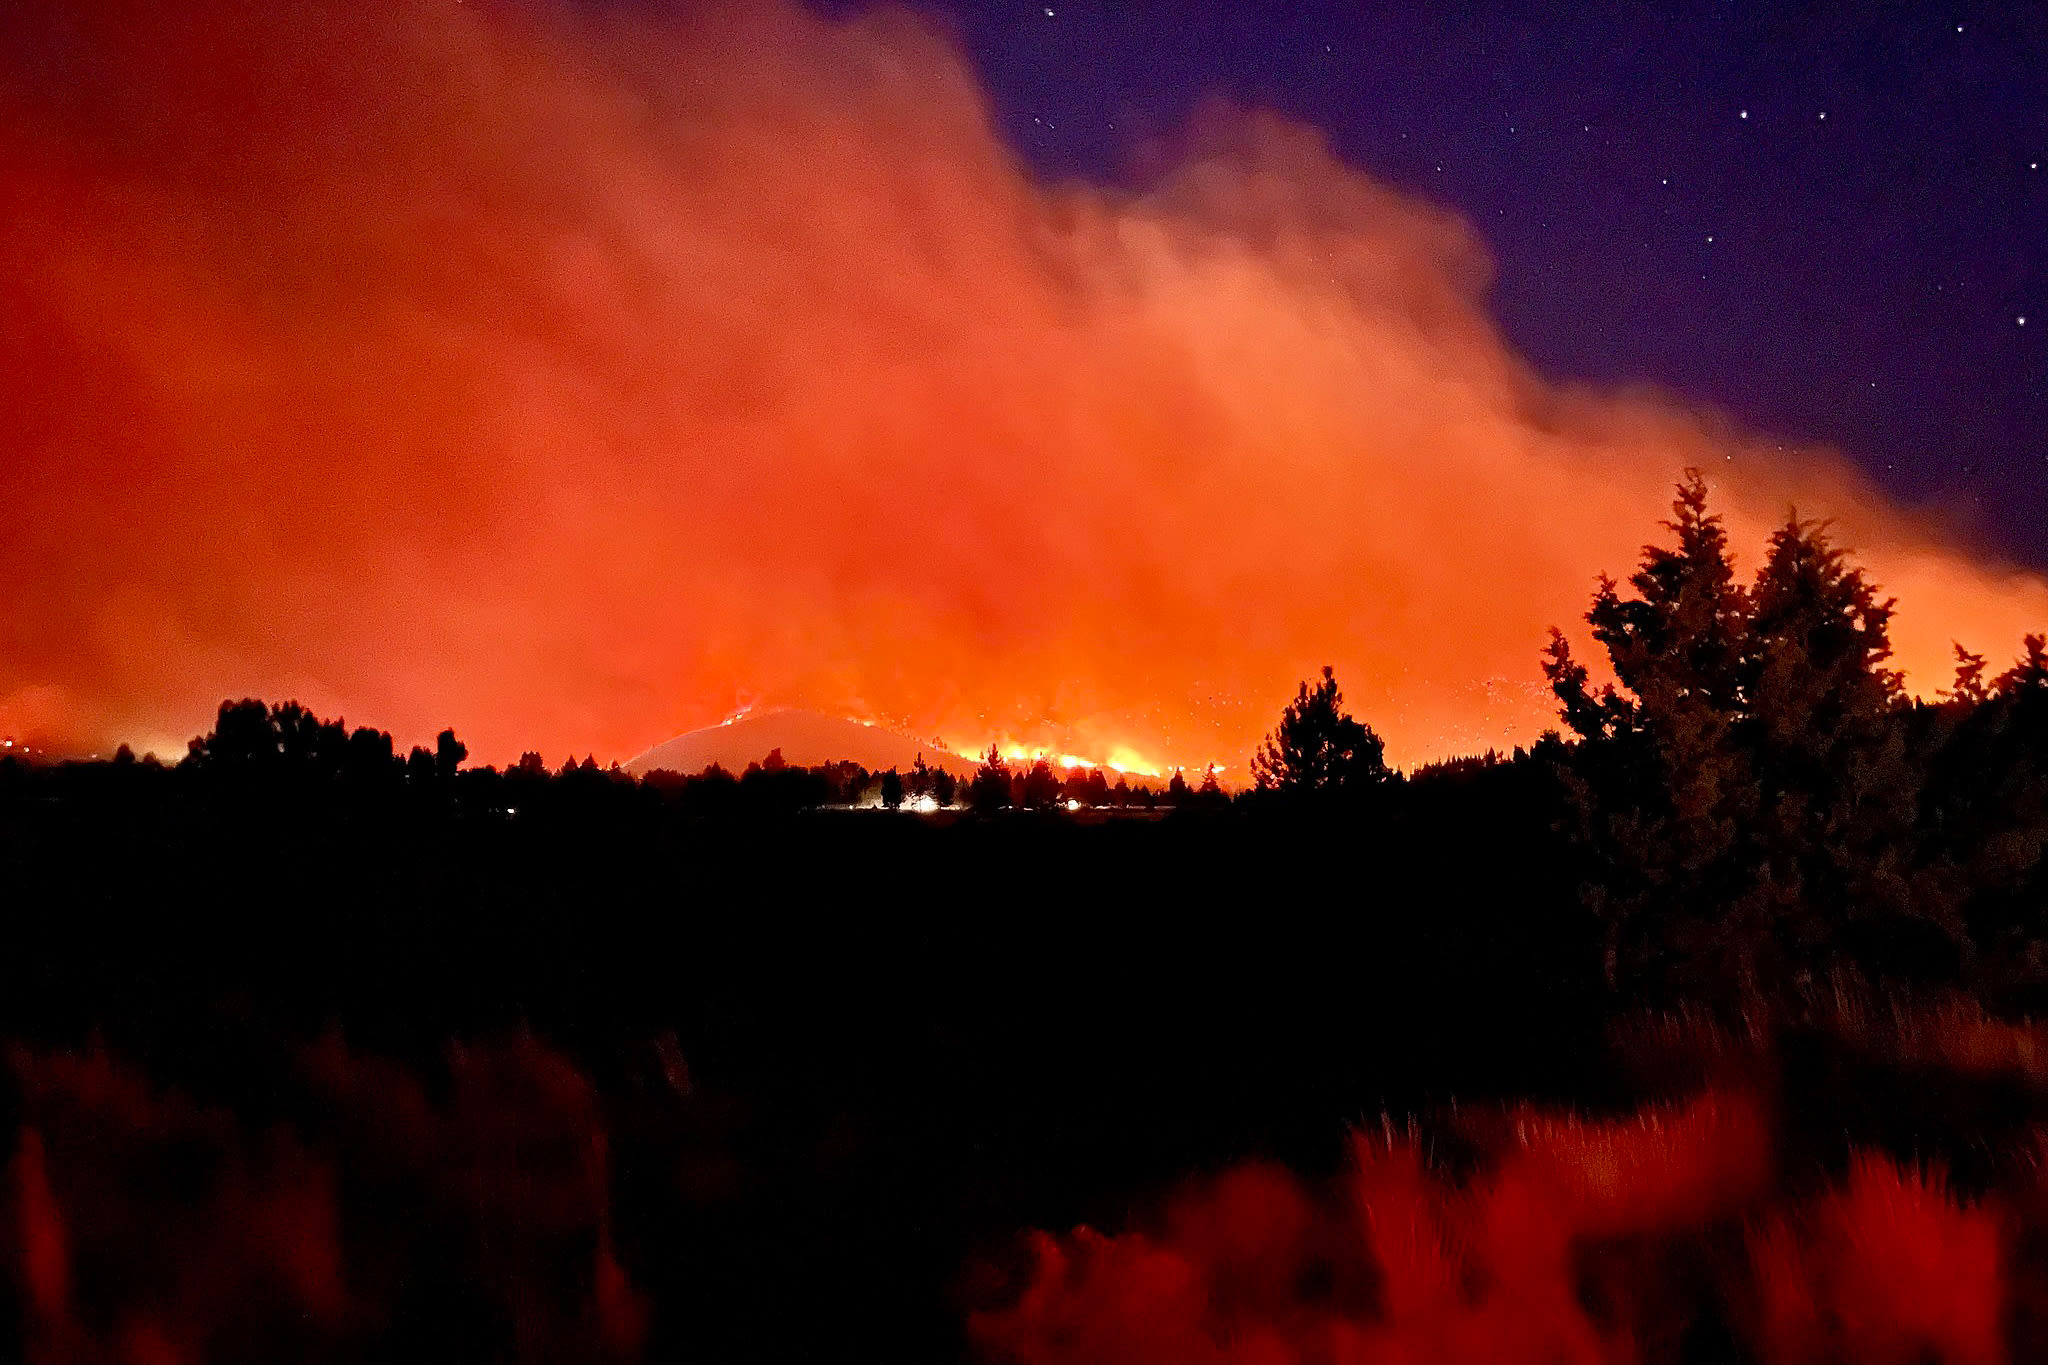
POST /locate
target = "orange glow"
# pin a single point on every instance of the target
(577, 380)
(1125, 761)
(1120, 759)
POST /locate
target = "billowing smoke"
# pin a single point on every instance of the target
(575, 380)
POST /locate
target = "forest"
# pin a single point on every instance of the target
(1698, 1030)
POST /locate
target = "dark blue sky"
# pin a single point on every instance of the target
(1856, 278)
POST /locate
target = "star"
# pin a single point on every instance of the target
(1745, 113)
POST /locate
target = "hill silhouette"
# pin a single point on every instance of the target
(806, 739)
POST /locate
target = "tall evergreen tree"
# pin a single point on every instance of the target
(1658, 790)
(1984, 817)
(1319, 749)
(990, 789)
(1744, 790)
(1040, 788)
(1840, 791)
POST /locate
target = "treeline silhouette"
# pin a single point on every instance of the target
(784, 1068)
(286, 749)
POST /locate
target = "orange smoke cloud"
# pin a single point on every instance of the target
(573, 381)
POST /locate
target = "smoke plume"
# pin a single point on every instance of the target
(574, 380)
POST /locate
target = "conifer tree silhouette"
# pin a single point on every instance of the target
(1319, 749)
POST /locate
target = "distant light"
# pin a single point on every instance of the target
(1073, 804)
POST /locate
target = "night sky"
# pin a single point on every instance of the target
(1825, 221)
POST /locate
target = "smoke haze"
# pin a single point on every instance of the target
(574, 380)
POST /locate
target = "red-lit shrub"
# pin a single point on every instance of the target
(150, 1228)
(1888, 1268)
(1664, 1169)
(1573, 1240)
(1394, 1264)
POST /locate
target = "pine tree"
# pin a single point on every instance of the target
(1318, 749)
(1969, 689)
(990, 789)
(449, 753)
(1041, 787)
(1985, 814)
(1825, 720)
(1658, 790)
(1744, 791)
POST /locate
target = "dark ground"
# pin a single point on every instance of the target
(897, 1041)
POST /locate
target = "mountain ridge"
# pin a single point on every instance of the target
(807, 739)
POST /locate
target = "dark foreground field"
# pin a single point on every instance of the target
(297, 1078)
